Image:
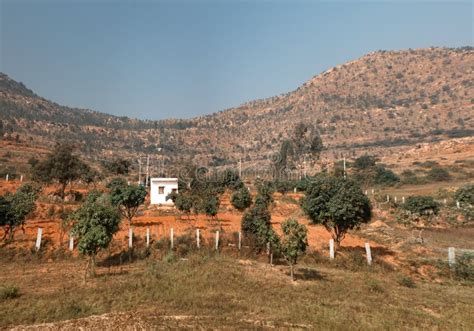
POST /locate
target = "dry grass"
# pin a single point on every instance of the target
(220, 291)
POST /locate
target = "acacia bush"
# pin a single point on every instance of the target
(438, 174)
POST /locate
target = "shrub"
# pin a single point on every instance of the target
(9, 292)
(385, 176)
(465, 194)
(407, 282)
(464, 267)
(422, 205)
(364, 162)
(438, 174)
(294, 242)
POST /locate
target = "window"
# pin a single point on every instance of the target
(161, 190)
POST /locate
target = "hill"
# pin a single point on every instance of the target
(383, 99)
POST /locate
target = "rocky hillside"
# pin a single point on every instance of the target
(383, 99)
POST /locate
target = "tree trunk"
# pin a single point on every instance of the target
(291, 272)
(93, 265)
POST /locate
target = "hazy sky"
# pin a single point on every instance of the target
(160, 59)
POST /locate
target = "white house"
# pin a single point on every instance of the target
(160, 188)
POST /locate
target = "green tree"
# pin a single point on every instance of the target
(96, 222)
(338, 204)
(241, 199)
(184, 203)
(15, 208)
(438, 174)
(127, 198)
(211, 207)
(256, 225)
(293, 242)
(61, 166)
(465, 194)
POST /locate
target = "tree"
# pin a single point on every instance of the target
(241, 199)
(96, 223)
(61, 166)
(127, 198)
(438, 174)
(465, 194)
(256, 224)
(15, 208)
(364, 162)
(117, 167)
(293, 242)
(184, 203)
(336, 203)
(211, 207)
(385, 176)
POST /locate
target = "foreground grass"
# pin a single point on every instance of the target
(232, 293)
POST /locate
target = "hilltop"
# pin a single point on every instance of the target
(383, 99)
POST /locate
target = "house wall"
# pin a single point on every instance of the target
(168, 184)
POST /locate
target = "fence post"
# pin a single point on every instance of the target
(6, 177)
(395, 199)
(198, 239)
(445, 201)
(451, 256)
(368, 253)
(172, 238)
(388, 198)
(331, 249)
(458, 205)
(240, 241)
(217, 240)
(71, 243)
(130, 237)
(38, 238)
(372, 191)
(21, 179)
(147, 237)
(403, 199)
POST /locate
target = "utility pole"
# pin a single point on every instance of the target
(240, 168)
(344, 165)
(147, 170)
(139, 171)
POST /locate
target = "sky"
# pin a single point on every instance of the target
(179, 59)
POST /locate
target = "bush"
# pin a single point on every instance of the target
(422, 205)
(385, 177)
(438, 174)
(464, 267)
(9, 292)
(407, 282)
(465, 194)
(364, 162)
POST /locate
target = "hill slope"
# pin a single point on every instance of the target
(382, 99)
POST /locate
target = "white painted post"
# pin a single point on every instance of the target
(38, 238)
(395, 199)
(6, 177)
(268, 248)
(217, 240)
(388, 198)
(403, 199)
(331, 249)
(130, 237)
(451, 256)
(445, 202)
(458, 205)
(71, 243)
(372, 191)
(171, 238)
(365, 192)
(294, 190)
(368, 253)
(240, 241)
(147, 237)
(21, 179)
(198, 239)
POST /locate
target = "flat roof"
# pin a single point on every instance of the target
(162, 179)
